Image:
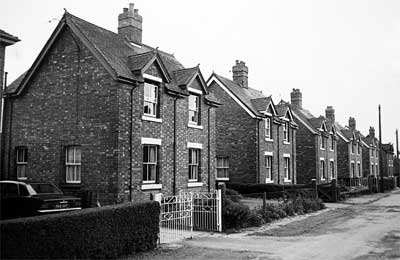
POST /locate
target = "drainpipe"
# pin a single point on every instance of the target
(2, 151)
(174, 144)
(131, 145)
(258, 152)
(278, 153)
(9, 136)
(293, 151)
(209, 151)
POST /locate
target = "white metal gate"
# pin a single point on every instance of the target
(187, 212)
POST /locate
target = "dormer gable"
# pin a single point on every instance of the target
(191, 80)
(149, 63)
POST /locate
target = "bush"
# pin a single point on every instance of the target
(234, 214)
(106, 232)
(272, 191)
(233, 195)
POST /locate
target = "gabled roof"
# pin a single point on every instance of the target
(285, 112)
(370, 140)
(388, 148)
(113, 51)
(264, 105)
(243, 96)
(7, 39)
(303, 117)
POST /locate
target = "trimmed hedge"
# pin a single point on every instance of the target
(272, 190)
(106, 232)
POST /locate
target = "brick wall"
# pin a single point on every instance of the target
(236, 137)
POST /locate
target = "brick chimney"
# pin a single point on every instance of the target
(240, 74)
(352, 123)
(371, 131)
(130, 24)
(330, 113)
(296, 98)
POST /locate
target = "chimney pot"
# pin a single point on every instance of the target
(372, 131)
(296, 98)
(352, 123)
(240, 74)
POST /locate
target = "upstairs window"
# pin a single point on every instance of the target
(222, 167)
(73, 164)
(286, 132)
(322, 142)
(332, 143)
(150, 160)
(194, 164)
(359, 148)
(150, 105)
(194, 109)
(267, 122)
(353, 147)
(22, 162)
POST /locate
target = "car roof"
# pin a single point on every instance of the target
(14, 182)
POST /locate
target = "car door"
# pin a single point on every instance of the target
(9, 200)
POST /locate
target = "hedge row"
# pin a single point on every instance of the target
(106, 232)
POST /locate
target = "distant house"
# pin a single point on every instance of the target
(256, 140)
(349, 154)
(6, 39)
(315, 143)
(102, 111)
(370, 154)
(387, 153)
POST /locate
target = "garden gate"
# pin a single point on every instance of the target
(188, 211)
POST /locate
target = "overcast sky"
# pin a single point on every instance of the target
(342, 53)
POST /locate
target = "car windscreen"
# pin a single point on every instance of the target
(45, 188)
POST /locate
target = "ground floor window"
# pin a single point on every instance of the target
(353, 170)
(268, 168)
(287, 168)
(150, 161)
(22, 162)
(194, 164)
(222, 167)
(322, 171)
(332, 167)
(359, 169)
(73, 164)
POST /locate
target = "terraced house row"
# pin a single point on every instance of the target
(103, 112)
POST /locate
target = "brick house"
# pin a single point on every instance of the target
(104, 112)
(349, 152)
(256, 140)
(387, 153)
(315, 143)
(370, 154)
(6, 39)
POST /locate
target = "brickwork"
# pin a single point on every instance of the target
(72, 100)
(370, 160)
(346, 157)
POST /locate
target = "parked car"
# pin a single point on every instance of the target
(20, 199)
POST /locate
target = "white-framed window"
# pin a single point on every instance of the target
(322, 171)
(150, 105)
(287, 168)
(194, 109)
(332, 169)
(359, 148)
(150, 163)
(376, 169)
(372, 169)
(332, 143)
(286, 132)
(22, 162)
(73, 164)
(353, 147)
(359, 169)
(268, 168)
(353, 169)
(322, 139)
(194, 164)
(267, 122)
(222, 167)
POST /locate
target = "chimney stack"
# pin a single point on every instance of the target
(130, 24)
(352, 123)
(372, 131)
(330, 114)
(296, 98)
(240, 74)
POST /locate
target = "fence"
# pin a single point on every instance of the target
(189, 211)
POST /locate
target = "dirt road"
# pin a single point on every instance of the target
(358, 230)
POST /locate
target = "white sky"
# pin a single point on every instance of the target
(344, 53)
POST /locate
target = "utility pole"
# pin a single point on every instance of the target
(380, 150)
(397, 143)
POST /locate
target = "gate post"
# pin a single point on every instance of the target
(334, 190)
(314, 187)
(221, 196)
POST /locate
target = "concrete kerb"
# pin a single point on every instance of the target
(366, 199)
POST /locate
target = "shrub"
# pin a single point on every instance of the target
(254, 219)
(288, 207)
(233, 195)
(106, 232)
(235, 214)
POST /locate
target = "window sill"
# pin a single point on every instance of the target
(195, 126)
(322, 149)
(287, 180)
(269, 139)
(152, 119)
(269, 181)
(194, 184)
(286, 142)
(331, 150)
(222, 179)
(22, 178)
(153, 186)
